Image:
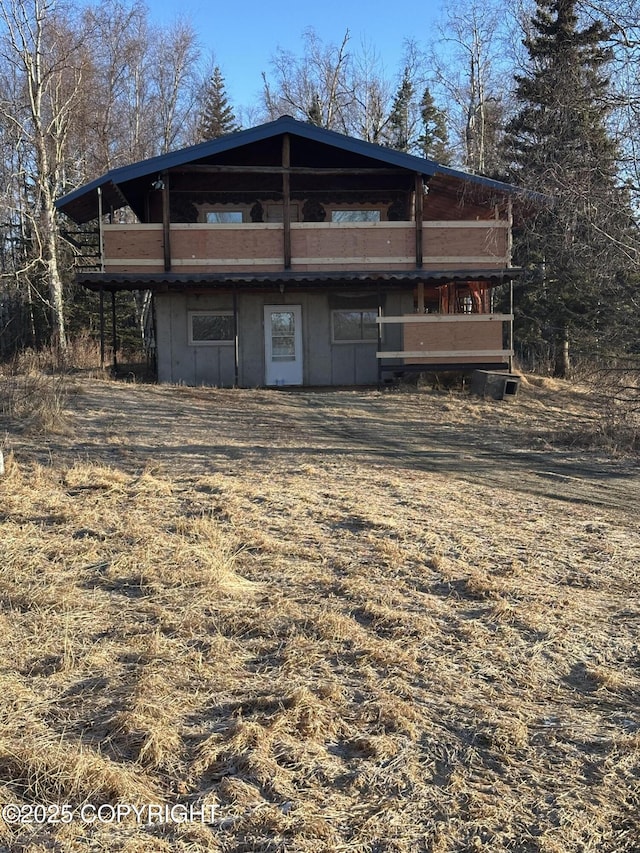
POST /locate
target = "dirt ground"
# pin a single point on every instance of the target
(352, 621)
(526, 445)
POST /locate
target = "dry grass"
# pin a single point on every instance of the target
(325, 614)
(35, 402)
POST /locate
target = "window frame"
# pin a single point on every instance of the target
(361, 340)
(214, 211)
(363, 210)
(219, 342)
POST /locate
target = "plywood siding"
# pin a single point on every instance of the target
(133, 248)
(224, 248)
(463, 336)
(463, 245)
(314, 246)
(349, 246)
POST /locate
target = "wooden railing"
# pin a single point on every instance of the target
(451, 338)
(203, 248)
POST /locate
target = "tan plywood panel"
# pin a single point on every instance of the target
(452, 337)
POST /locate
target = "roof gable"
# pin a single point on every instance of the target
(82, 203)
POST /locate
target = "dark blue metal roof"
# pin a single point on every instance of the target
(83, 199)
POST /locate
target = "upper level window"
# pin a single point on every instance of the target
(361, 215)
(208, 328)
(223, 217)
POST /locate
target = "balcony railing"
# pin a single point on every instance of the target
(431, 339)
(202, 248)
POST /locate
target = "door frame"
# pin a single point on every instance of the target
(288, 372)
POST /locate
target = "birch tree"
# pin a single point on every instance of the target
(312, 87)
(38, 49)
(469, 75)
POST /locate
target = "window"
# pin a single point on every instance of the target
(223, 217)
(361, 215)
(354, 326)
(210, 328)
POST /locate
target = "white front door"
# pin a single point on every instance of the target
(283, 344)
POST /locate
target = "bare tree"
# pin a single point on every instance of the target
(39, 52)
(173, 76)
(369, 109)
(313, 87)
(469, 74)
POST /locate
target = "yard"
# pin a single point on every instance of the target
(347, 621)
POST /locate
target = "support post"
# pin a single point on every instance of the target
(511, 326)
(166, 221)
(113, 330)
(419, 216)
(286, 199)
(101, 326)
(236, 348)
(100, 230)
(379, 360)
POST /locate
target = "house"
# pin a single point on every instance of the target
(288, 254)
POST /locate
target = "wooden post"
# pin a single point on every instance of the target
(236, 349)
(509, 254)
(114, 335)
(100, 230)
(509, 232)
(286, 199)
(101, 326)
(379, 360)
(511, 326)
(419, 215)
(166, 221)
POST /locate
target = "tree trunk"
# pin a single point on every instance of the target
(55, 282)
(562, 367)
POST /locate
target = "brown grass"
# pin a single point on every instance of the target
(329, 616)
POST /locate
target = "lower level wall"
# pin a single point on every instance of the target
(324, 362)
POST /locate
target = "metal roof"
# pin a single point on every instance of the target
(213, 281)
(81, 204)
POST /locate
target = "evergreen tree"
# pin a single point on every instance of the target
(399, 125)
(314, 113)
(558, 144)
(434, 141)
(217, 116)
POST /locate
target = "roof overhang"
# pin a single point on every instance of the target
(176, 282)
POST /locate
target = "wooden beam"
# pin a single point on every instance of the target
(449, 353)
(447, 318)
(278, 170)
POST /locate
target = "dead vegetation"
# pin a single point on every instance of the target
(329, 616)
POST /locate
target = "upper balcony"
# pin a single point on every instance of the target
(325, 246)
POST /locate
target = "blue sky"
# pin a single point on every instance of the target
(244, 35)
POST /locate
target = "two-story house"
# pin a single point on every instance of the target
(292, 255)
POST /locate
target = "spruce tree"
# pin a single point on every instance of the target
(399, 122)
(314, 113)
(558, 145)
(434, 141)
(217, 116)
